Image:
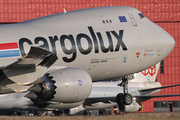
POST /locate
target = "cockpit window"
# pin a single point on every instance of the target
(141, 15)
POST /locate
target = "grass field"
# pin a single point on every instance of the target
(134, 116)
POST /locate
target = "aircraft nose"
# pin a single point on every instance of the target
(167, 42)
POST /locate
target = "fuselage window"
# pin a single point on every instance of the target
(141, 15)
(107, 21)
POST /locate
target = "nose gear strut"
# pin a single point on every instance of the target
(124, 98)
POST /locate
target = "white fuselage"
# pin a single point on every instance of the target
(105, 43)
(96, 40)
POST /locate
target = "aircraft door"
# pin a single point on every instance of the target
(101, 71)
(92, 67)
(158, 51)
(132, 19)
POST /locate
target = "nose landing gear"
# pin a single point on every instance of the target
(124, 98)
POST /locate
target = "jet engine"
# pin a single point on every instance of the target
(80, 110)
(133, 107)
(89, 105)
(68, 85)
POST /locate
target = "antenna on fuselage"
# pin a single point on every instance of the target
(64, 10)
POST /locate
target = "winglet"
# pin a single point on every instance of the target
(48, 58)
(21, 71)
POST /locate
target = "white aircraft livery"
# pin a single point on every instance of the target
(55, 59)
(104, 95)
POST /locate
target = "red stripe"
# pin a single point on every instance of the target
(5, 46)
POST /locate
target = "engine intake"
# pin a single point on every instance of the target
(45, 90)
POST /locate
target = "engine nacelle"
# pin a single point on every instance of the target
(66, 85)
(133, 107)
(75, 111)
(98, 105)
(73, 85)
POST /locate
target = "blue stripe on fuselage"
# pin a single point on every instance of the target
(9, 53)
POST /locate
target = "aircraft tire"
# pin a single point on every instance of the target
(127, 99)
(119, 99)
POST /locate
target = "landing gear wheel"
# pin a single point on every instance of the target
(124, 98)
(127, 99)
(119, 99)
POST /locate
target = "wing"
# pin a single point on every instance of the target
(21, 72)
(152, 89)
(156, 96)
(143, 98)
